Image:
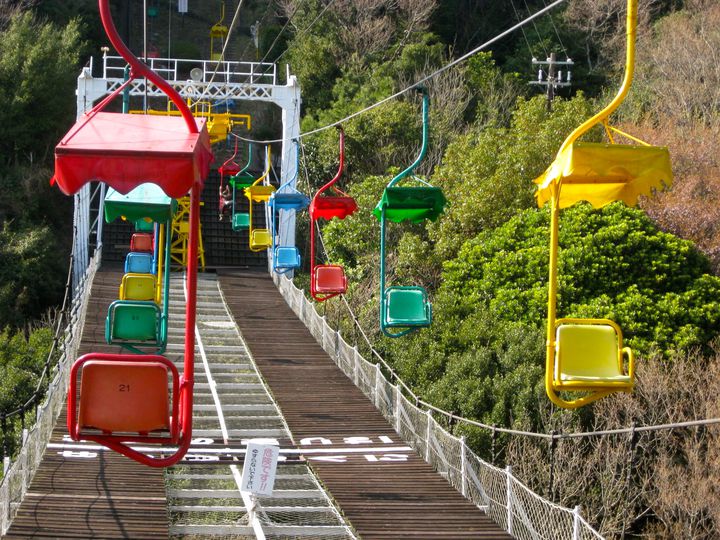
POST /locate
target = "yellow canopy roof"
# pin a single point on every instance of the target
(603, 173)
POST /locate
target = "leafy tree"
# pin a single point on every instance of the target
(613, 263)
(31, 274)
(485, 175)
(37, 80)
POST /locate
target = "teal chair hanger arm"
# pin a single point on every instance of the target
(425, 135)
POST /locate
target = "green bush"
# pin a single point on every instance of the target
(613, 263)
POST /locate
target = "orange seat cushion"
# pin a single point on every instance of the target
(141, 242)
(124, 396)
(330, 278)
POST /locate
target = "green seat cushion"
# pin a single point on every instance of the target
(588, 352)
(242, 180)
(133, 321)
(411, 204)
(241, 220)
(406, 306)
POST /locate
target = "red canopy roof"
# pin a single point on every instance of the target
(126, 150)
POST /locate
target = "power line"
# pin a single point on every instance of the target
(558, 34)
(417, 83)
(540, 41)
(306, 29)
(517, 17)
(290, 17)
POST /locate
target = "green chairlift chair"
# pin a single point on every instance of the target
(404, 309)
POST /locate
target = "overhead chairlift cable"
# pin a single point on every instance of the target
(417, 83)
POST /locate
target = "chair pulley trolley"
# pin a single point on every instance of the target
(404, 309)
(587, 356)
(117, 399)
(329, 280)
(286, 200)
(260, 192)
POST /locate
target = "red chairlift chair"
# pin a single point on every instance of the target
(124, 398)
(329, 280)
(227, 169)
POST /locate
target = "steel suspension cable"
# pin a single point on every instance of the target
(418, 82)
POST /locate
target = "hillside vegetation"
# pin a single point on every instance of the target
(653, 269)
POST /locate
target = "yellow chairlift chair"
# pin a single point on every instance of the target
(218, 31)
(260, 239)
(587, 355)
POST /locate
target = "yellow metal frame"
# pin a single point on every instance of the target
(258, 192)
(599, 389)
(160, 261)
(219, 124)
(181, 235)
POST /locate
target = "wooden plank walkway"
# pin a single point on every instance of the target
(104, 496)
(391, 496)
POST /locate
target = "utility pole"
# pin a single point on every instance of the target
(554, 78)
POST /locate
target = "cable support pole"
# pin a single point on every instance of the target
(632, 443)
(418, 82)
(493, 442)
(551, 477)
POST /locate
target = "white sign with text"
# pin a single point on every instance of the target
(258, 475)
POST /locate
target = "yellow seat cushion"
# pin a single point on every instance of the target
(260, 239)
(137, 287)
(588, 353)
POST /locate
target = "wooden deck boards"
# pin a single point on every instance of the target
(383, 497)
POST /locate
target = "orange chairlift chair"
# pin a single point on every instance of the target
(260, 238)
(329, 280)
(119, 399)
(587, 356)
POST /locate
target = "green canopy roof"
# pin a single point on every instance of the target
(242, 180)
(411, 204)
(145, 201)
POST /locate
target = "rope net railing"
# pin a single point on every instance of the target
(506, 500)
(18, 473)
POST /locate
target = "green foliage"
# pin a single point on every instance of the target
(486, 176)
(496, 92)
(21, 363)
(314, 64)
(37, 80)
(613, 263)
(31, 274)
